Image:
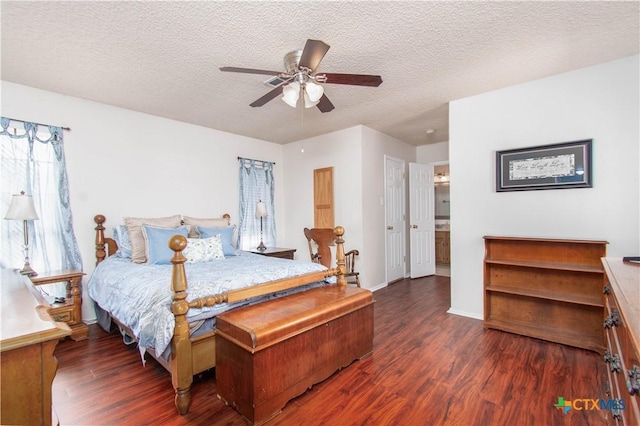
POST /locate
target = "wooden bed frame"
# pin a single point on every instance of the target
(190, 356)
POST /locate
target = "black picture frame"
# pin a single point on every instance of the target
(556, 166)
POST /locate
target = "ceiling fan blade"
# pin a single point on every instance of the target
(249, 71)
(312, 54)
(266, 98)
(353, 79)
(325, 104)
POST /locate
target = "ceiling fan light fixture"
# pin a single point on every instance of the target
(300, 72)
(291, 93)
(315, 91)
(308, 103)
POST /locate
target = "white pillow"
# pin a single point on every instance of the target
(197, 221)
(203, 249)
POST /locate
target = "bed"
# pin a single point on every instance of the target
(187, 315)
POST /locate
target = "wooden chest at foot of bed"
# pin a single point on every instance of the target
(269, 353)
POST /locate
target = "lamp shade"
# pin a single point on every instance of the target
(315, 91)
(308, 103)
(21, 208)
(291, 93)
(261, 209)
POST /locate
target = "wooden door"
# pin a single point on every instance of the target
(323, 198)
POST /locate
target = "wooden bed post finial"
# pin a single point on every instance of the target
(181, 365)
(100, 252)
(177, 243)
(340, 262)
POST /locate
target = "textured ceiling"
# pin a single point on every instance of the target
(162, 58)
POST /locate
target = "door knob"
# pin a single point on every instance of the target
(414, 226)
(390, 228)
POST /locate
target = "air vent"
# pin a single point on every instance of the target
(276, 81)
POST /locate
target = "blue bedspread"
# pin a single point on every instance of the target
(139, 295)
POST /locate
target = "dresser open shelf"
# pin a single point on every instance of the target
(550, 289)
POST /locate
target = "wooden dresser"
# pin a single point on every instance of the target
(28, 339)
(622, 324)
(550, 289)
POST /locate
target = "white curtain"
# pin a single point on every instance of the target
(256, 184)
(32, 160)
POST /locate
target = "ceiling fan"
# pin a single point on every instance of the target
(300, 78)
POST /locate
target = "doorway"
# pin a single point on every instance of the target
(442, 211)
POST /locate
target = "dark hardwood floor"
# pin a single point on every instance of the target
(427, 368)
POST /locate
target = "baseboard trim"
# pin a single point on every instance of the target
(473, 315)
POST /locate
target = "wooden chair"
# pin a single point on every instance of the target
(320, 241)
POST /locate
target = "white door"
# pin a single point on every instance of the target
(395, 218)
(422, 220)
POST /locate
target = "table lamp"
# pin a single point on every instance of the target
(22, 208)
(261, 212)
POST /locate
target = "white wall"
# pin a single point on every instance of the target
(123, 163)
(340, 150)
(599, 103)
(432, 153)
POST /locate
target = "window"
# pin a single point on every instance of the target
(256, 184)
(32, 160)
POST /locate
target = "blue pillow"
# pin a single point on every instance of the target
(225, 233)
(157, 243)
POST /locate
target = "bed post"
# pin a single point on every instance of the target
(181, 363)
(340, 262)
(100, 252)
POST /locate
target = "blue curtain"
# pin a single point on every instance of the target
(32, 160)
(256, 184)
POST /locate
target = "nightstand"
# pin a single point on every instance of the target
(70, 310)
(284, 253)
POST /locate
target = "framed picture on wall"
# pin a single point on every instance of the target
(562, 165)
